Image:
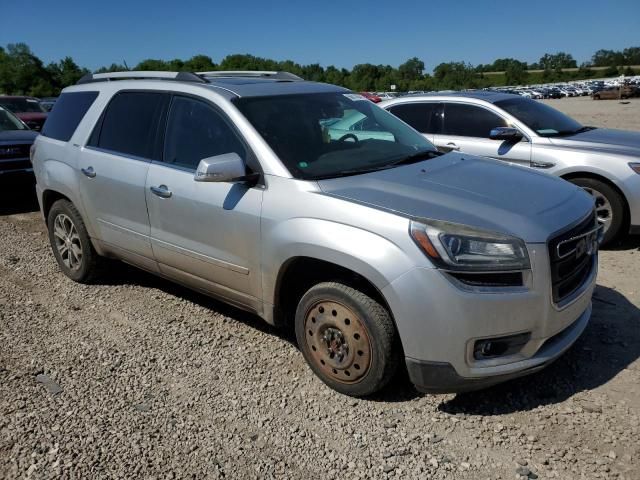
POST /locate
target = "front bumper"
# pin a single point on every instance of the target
(439, 323)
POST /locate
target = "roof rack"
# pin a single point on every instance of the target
(251, 74)
(130, 75)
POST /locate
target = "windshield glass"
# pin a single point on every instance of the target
(9, 122)
(22, 105)
(542, 119)
(324, 135)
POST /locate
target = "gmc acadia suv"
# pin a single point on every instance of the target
(375, 247)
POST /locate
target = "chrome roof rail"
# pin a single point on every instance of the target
(250, 74)
(141, 75)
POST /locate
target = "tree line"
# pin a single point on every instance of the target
(23, 73)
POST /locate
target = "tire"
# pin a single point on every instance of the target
(347, 338)
(64, 219)
(607, 198)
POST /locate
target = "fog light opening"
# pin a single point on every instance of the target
(498, 347)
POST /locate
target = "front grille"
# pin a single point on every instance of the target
(571, 255)
(12, 165)
(14, 151)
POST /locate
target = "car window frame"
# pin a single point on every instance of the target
(498, 112)
(251, 161)
(97, 128)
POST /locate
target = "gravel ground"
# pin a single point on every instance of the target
(138, 378)
(623, 114)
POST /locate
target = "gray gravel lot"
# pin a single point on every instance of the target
(138, 378)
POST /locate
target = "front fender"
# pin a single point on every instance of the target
(366, 253)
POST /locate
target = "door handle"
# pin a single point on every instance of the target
(162, 191)
(89, 172)
(453, 146)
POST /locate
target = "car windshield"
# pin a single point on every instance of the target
(326, 135)
(542, 119)
(9, 122)
(22, 105)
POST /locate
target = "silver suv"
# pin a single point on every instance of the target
(603, 161)
(373, 246)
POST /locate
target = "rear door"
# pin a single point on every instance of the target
(205, 234)
(466, 128)
(422, 116)
(113, 171)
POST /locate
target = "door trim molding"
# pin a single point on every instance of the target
(199, 256)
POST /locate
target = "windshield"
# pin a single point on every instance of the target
(9, 122)
(325, 135)
(22, 105)
(542, 119)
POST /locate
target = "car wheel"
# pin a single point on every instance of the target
(609, 206)
(70, 242)
(347, 338)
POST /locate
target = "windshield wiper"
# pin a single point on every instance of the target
(416, 157)
(563, 133)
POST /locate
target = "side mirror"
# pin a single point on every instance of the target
(220, 168)
(506, 133)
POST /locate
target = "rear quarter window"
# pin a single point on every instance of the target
(67, 114)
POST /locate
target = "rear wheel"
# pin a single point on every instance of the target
(70, 242)
(609, 206)
(347, 338)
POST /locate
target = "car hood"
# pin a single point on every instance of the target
(471, 191)
(603, 139)
(19, 136)
(26, 116)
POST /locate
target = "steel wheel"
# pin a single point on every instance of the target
(338, 341)
(604, 211)
(67, 241)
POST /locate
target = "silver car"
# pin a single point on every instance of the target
(605, 162)
(377, 249)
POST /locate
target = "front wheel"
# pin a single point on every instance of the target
(347, 338)
(609, 206)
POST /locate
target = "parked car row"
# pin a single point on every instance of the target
(27, 109)
(379, 244)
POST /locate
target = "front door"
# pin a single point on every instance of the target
(206, 234)
(466, 128)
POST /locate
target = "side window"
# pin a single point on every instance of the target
(195, 130)
(69, 111)
(470, 121)
(419, 115)
(130, 124)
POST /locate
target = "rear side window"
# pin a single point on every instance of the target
(470, 121)
(129, 125)
(419, 115)
(67, 114)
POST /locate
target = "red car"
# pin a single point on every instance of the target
(370, 96)
(27, 109)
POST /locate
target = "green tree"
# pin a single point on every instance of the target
(558, 60)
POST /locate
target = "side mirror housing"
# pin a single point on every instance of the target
(220, 168)
(506, 133)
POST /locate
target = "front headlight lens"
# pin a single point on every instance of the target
(459, 247)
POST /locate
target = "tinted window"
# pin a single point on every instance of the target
(541, 118)
(130, 124)
(470, 121)
(22, 104)
(195, 130)
(67, 114)
(419, 115)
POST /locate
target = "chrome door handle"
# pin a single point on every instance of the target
(89, 172)
(161, 191)
(453, 146)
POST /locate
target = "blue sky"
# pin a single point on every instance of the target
(340, 33)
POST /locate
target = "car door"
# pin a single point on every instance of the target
(466, 128)
(113, 172)
(422, 116)
(206, 234)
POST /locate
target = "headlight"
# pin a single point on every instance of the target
(635, 166)
(457, 247)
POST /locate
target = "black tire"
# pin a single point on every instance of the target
(87, 267)
(615, 200)
(377, 326)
